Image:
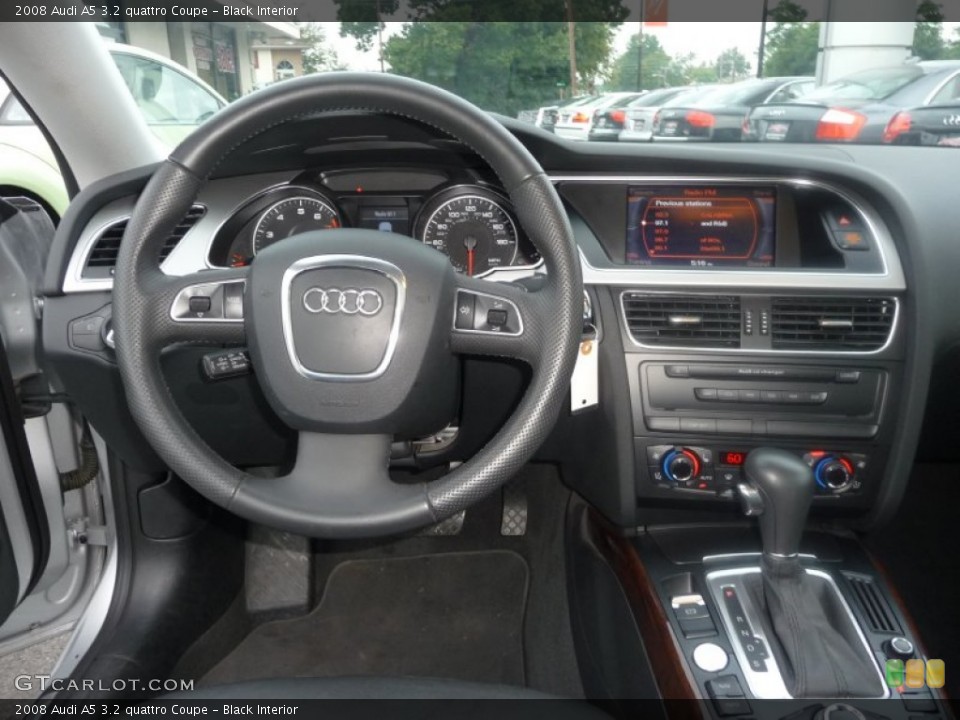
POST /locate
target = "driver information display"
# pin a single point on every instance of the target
(701, 226)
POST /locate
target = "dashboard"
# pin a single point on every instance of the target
(739, 298)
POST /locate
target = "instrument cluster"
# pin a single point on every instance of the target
(472, 223)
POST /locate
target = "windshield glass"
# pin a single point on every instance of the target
(902, 79)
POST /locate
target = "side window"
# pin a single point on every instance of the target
(949, 93)
(791, 92)
(164, 95)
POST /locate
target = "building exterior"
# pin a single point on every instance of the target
(235, 58)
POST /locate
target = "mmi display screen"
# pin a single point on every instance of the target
(701, 226)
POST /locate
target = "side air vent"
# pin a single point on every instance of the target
(683, 320)
(873, 605)
(103, 255)
(831, 323)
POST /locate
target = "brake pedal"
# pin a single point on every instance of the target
(513, 523)
(451, 526)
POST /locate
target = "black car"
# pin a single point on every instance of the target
(609, 122)
(719, 115)
(858, 108)
(930, 125)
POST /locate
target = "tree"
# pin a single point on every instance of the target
(928, 41)
(656, 66)
(792, 44)
(732, 65)
(319, 56)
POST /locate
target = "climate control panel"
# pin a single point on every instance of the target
(717, 470)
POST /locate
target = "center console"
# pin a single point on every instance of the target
(757, 321)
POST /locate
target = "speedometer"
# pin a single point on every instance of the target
(472, 227)
(293, 216)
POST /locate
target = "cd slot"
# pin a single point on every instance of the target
(762, 372)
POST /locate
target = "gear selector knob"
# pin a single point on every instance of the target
(785, 486)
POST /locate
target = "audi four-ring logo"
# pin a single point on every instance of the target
(351, 301)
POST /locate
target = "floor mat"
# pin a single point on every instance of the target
(455, 615)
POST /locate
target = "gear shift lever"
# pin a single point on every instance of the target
(780, 485)
(821, 650)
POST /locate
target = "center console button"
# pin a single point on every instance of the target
(706, 393)
(727, 696)
(749, 396)
(728, 395)
(663, 424)
(710, 657)
(734, 427)
(698, 425)
(771, 396)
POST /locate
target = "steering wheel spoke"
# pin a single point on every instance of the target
(342, 482)
(205, 307)
(495, 319)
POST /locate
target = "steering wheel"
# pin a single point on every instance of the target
(353, 334)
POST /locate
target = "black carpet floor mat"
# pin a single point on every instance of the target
(454, 615)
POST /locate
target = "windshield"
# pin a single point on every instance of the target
(544, 73)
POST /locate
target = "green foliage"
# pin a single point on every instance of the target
(791, 43)
(319, 56)
(501, 66)
(658, 68)
(732, 65)
(928, 41)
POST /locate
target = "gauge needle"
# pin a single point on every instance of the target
(470, 243)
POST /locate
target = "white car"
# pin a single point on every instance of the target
(172, 100)
(638, 123)
(574, 122)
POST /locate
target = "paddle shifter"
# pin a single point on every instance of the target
(779, 489)
(818, 645)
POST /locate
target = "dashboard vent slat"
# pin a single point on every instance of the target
(683, 320)
(103, 255)
(873, 605)
(811, 323)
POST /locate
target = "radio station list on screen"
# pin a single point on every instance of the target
(702, 226)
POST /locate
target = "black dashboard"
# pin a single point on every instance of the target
(742, 297)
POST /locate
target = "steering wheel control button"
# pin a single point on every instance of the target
(466, 310)
(227, 364)
(210, 302)
(491, 314)
(200, 304)
(710, 657)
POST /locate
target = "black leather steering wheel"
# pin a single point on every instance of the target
(353, 334)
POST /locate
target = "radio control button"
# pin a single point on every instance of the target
(708, 394)
(749, 396)
(728, 395)
(771, 396)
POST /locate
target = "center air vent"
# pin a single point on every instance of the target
(831, 323)
(103, 255)
(683, 320)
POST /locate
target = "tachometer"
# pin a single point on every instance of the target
(472, 227)
(293, 216)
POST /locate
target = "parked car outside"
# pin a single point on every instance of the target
(609, 121)
(172, 100)
(575, 121)
(547, 116)
(719, 115)
(857, 108)
(638, 123)
(925, 125)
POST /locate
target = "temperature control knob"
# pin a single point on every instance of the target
(681, 465)
(834, 474)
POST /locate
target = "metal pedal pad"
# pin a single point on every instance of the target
(513, 523)
(451, 526)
